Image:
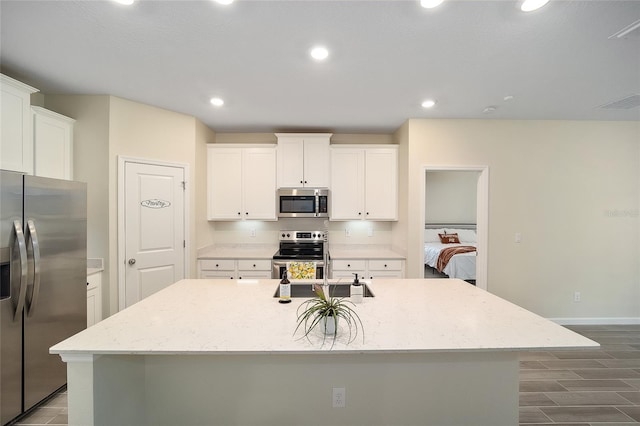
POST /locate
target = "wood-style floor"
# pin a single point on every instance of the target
(578, 388)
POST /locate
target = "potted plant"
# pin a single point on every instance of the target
(326, 312)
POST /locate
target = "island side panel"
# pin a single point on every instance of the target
(476, 388)
(106, 390)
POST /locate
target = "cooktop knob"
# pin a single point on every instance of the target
(283, 235)
(288, 235)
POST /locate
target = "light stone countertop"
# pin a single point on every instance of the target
(373, 251)
(238, 251)
(242, 316)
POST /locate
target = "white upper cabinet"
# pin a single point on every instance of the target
(53, 142)
(241, 182)
(303, 160)
(16, 134)
(364, 182)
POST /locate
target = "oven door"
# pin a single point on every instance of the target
(280, 268)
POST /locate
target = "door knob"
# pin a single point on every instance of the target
(132, 261)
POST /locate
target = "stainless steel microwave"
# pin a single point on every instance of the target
(303, 202)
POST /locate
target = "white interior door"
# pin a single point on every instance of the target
(154, 228)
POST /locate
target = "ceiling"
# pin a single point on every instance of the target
(386, 57)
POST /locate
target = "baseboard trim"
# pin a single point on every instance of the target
(596, 321)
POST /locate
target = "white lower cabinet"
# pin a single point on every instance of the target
(94, 299)
(367, 268)
(254, 268)
(217, 268)
(234, 268)
(384, 268)
(346, 268)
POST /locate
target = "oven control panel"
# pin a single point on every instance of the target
(301, 236)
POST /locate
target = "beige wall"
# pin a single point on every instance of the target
(146, 132)
(450, 196)
(108, 127)
(572, 190)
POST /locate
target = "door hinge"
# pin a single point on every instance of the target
(184, 243)
(184, 185)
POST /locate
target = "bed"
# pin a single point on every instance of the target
(461, 265)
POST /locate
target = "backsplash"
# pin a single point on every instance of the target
(261, 232)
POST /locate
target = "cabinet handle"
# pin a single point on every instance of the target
(305, 181)
(217, 265)
(348, 265)
(254, 265)
(246, 213)
(300, 181)
(359, 213)
(367, 213)
(230, 278)
(385, 265)
(238, 213)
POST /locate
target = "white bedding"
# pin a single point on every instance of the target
(461, 266)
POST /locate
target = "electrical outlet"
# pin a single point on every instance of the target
(347, 232)
(252, 232)
(339, 395)
(576, 296)
(518, 237)
(370, 231)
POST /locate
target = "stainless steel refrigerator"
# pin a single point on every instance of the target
(43, 291)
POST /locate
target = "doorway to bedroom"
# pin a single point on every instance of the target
(455, 223)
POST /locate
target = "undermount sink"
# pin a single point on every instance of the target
(335, 290)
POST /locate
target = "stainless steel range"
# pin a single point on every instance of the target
(300, 246)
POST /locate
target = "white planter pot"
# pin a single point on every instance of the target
(329, 325)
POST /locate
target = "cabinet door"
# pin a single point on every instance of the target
(290, 162)
(224, 180)
(53, 144)
(381, 184)
(316, 162)
(16, 132)
(347, 184)
(259, 183)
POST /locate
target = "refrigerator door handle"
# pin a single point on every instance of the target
(22, 247)
(35, 246)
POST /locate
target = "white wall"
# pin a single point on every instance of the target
(571, 188)
(451, 196)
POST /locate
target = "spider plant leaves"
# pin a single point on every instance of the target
(318, 310)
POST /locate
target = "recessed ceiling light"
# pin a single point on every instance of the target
(125, 2)
(225, 2)
(430, 4)
(508, 98)
(531, 5)
(429, 103)
(320, 53)
(489, 109)
(217, 102)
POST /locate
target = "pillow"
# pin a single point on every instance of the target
(449, 238)
(465, 235)
(431, 235)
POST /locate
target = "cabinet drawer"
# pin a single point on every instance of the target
(254, 265)
(218, 264)
(385, 265)
(217, 274)
(349, 265)
(254, 275)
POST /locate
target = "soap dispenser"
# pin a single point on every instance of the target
(357, 291)
(285, 289)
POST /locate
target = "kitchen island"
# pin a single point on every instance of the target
(222, 352)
